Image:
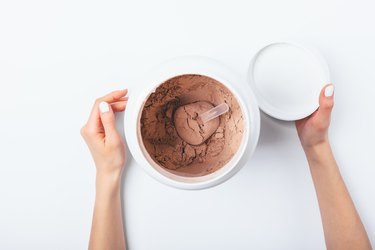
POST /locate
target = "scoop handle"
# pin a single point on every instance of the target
(214, 112)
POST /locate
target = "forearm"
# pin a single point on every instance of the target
(342, 225)
(107, 227)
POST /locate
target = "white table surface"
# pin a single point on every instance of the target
(56, 57)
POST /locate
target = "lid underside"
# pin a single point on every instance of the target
(286, 79)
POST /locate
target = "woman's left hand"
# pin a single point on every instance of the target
(101, 136)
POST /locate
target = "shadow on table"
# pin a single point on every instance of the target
(273, 131)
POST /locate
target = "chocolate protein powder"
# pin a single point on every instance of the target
(174, 137)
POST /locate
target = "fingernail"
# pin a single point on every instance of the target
(103, 107)
(328, 92)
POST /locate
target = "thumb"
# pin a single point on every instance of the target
(326, 103)
(108, 119)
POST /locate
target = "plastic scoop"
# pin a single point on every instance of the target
(214, 112)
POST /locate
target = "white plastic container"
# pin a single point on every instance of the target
(286, 78)
(202, 66)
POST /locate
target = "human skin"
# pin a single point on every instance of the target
(342, 225)
(108, 151)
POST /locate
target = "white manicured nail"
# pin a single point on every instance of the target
(104, 107)
(328, 92)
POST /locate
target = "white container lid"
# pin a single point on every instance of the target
(286, 79)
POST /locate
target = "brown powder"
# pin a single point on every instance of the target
(164, 144)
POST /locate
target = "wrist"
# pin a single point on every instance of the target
(316, 147)
(108, 172)
(108, 182)
(319, 153)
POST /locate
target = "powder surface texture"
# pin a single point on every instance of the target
(190, 150)
(190, 127)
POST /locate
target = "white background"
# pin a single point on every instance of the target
(56, 57)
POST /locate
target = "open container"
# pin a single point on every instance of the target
(297, 98)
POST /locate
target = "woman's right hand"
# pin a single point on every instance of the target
(313, 130)
(343, 228)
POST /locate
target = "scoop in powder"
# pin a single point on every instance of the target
(190, 126)
(169, 147)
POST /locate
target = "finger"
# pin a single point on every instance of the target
(94, 120)
(122, 100)
(114, 96)
(107, 117)
(119, 106)
(326, 103)
(125, 98)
